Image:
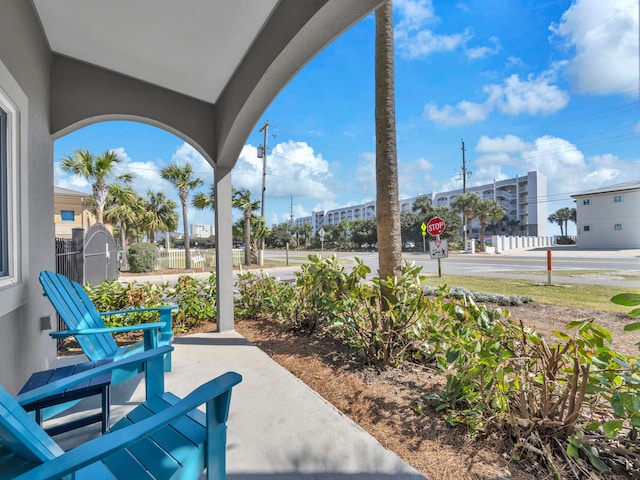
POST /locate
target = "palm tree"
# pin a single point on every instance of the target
(387, 201)
(122, 207)
(161, 215)
(307, 228)
(554, 218)
(487, 211)
(95, 169)
(202, 201)
(422, 204)
(467, 203)
(182, 178)
(242, 201)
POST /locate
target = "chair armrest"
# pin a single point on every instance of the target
(93, 331)
(138, 310)
(101, 447)
(59, 385)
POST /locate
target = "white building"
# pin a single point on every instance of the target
(522, 197)
(609, 217)
(200, 230)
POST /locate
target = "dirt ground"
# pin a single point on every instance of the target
(383, 402)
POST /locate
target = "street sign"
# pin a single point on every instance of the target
(424, 229)
(439, 249)
(321, 232)
(435, 226)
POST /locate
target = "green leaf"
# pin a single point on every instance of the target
(635, 419)
(561, 335)
(626, 299)
(632, 327)
(617, 403)
(612, 427)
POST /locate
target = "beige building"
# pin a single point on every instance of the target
(71, 210)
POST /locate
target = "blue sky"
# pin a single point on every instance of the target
(551, 86)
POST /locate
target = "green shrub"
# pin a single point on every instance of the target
(142, 257)
(266, 295)
(196, 300)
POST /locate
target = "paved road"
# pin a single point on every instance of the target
(607, 267)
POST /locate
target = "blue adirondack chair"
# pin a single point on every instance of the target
(162, 438)
(85, 323)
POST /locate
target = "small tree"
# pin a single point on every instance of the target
(487, 211)
(467, 204)
(95, 169)
(182, 178)
(242, 201)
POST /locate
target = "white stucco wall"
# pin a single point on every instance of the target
(24, 79)
(604, 223)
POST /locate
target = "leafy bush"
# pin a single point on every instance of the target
(196, 300)
(263, 294)
(142, 257)
(503, 378)
(385, 336)
(322, 285)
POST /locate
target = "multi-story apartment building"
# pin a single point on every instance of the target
(523, 199)
(199, 230)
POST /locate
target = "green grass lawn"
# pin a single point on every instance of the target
(596, 297)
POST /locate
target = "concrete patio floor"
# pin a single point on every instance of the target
(278, 427)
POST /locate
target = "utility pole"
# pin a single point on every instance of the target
(265, 129)
(464, 171)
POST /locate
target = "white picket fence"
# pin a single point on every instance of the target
(200, 258)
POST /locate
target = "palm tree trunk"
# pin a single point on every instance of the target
(247, 238)
(187, 247)
(387, 202)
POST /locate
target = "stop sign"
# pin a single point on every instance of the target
(435, 226)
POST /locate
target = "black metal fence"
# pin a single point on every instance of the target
(67, 253)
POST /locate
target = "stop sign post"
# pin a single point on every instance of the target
(436, 227)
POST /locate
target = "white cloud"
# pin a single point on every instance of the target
(413, 176)
(463, 113)
(186, 153)
(413, 39)
(365, 174)
(604, 37)
(533, 96)
(474, 53)
(506, 144)
(293, 168)
(424, 43)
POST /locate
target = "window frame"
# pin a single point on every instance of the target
(617, 227)
(586, 201)
(586, 228)
(617, 199)
(13, 100)
(5, 248)
(62, 215)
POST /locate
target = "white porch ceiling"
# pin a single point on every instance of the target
(192, 47)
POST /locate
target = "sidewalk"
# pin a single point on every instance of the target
(278, 427)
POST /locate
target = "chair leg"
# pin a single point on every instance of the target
(167, 362)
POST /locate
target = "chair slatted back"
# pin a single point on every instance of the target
(78, 313)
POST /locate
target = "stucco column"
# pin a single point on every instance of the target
(224, 264)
